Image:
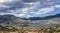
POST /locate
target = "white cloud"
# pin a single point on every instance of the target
(18, 15)
(35, 11)
(33, 3)
(24, 11)
(27, 16)
(4, 6)
(19, 12)
(26, 8)
(45, 10)
(2, 1)
(57, 6)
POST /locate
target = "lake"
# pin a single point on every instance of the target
(32, 25)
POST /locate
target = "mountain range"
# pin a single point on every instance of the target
(14, 19)
(43, 18)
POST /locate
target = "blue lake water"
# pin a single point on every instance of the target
(32, 25)
(39, 25)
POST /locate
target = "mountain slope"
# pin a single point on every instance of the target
(42, 18)
(8, 19)
(54, 19)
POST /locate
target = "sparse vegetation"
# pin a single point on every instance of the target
(55, 29)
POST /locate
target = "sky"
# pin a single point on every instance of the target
(29, 8)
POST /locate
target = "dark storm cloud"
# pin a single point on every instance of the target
(24, 7)
(38, 0)
(29, 0)
(12, 6)
(42, 2)
(20, 4)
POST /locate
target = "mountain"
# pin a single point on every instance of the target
(7, 17)
(53, 19)
(10, 19)
(42, 18)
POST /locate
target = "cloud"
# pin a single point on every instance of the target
(20, 12)
(45, 10)
(3, 1)
(17, 15)
(12, 7)
(42, 2)
(29, 0)
(17, 9)
(21, 8)
(29, 15)
(33, 11)
(33, 3)
(57, 6)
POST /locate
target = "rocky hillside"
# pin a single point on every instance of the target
(53, 19)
